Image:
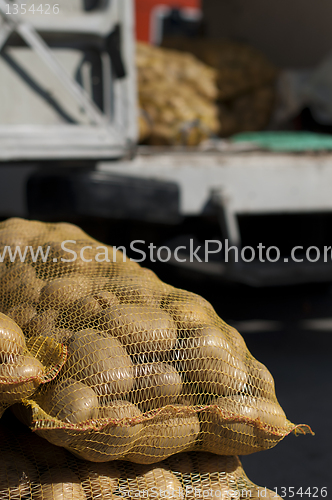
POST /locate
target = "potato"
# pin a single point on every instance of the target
(192, 395)
(165, 435)
(180, 462)
(85, 310)
(18, 270)
(19, 233)
(113, 441)
(70, 401)
(212, 489)
(69, 255)
(271, 413)
(59, 484)
(119, 409)
(99, 283)
(143, 287)
(19, 284)
(102, 362)
(16, 475)
(226, 437)
(189, 310)
(31, 291)
(241, 438)
(260, 381)
(208, 463)
(60, 335)
(21, 314)
(99, 480)
(147, 330)
(42, 323)
(211, 362)
(156, 385)
(221, 477)
(20, 378)
(63, 292)
(27, 228)
(11, 238)
(236, 339)
(106, 299)
(12, 340)
(154, 483)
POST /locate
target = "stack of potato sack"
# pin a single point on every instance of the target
(245, 79)
(101, 358)
(33, 469)
(177, 94)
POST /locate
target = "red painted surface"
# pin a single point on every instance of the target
(144, 9)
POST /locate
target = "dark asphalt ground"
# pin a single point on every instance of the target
(289, 330)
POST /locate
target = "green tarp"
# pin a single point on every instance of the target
(287, 141)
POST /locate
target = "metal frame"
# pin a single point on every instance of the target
(103, 138)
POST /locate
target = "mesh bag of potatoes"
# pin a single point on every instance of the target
(245, 81)
(25, 363)
(151, 370)
(247, 112)
(177, 95)
(240, 67)
(33, 469)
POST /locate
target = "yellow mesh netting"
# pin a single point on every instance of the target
(151, 370)
(25, 363)
(31, 468)
(245, 81)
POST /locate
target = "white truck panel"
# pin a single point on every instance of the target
(249, 182)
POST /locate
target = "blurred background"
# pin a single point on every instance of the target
(178, 120)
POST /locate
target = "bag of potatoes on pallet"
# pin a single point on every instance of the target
(151, 370)
(25, 363)
(33, 468)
